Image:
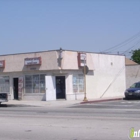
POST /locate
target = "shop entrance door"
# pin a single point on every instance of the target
(50, 88)
(15, 88)
(60, 87)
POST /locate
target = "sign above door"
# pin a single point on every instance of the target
(32, 61)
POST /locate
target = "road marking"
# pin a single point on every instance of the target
(135, 102)
(126, 102)
(108, 105)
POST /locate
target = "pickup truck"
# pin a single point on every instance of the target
(3, 97)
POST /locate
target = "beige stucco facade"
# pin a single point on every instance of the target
(132, 74)
(105, 79)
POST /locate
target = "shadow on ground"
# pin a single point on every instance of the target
(16, 105)
(132, 99)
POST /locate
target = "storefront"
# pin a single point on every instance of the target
(59, 74)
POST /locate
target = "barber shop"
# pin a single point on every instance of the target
(62, 74)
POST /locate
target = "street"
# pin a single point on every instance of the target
(110, 120)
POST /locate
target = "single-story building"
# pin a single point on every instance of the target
(132, 72)
(60, 74)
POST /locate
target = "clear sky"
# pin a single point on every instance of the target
(83, 25)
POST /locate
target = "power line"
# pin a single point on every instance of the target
(131, 47)
(124, 42)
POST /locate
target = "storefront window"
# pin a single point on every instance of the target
(35, 83)
(28, 84)
(4, 84)
(78, 83)
(42, 83)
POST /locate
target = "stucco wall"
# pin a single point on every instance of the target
(107, 80)
(15, 63)
(70, 60)
(132, 74)
(109, 77)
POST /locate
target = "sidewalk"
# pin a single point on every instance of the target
(101, 100)
(60, 103)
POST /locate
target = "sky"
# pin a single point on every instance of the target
(102, 26)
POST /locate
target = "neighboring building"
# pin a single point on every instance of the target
(129, 62)
(58, 74)
(132, 72)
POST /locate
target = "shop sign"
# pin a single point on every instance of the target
(32, 61)
(81, 59)
(2, 63)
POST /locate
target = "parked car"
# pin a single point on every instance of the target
(3, 97)
(133, 91)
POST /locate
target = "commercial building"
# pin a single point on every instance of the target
(59, 74)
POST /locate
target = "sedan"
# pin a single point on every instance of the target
(133, 91)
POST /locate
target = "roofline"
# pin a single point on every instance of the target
(132, 65)
(63, 50)
(93, 52)
(27, 53)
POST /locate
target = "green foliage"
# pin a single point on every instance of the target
(136, 56)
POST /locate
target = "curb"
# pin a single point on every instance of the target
(101, 100)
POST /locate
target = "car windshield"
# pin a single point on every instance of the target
(136, 85)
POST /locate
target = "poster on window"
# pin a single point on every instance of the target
(20, 87)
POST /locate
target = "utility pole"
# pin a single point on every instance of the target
(85, 98)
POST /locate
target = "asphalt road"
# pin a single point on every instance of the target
(99, 121)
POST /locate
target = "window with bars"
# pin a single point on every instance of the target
(78, 83)
(35, 83)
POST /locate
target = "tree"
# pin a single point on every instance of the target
(136, 55)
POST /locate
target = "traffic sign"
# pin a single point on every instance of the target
(86, 69)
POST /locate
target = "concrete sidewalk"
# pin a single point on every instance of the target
(101, 100)
(60, 103)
